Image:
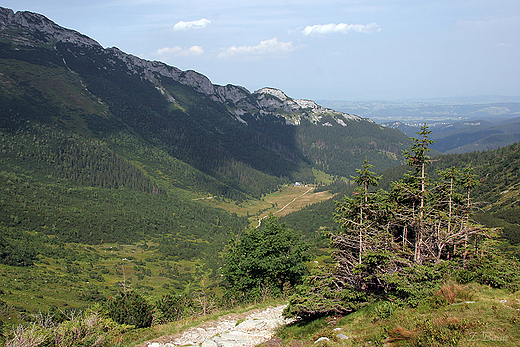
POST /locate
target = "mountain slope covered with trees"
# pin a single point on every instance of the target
(58, 76)
(106, 158)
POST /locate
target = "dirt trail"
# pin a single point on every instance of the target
(283, 208)
(234, 330)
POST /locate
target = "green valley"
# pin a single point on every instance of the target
(131, 195)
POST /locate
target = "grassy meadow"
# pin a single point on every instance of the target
(290, 198)
(456, 315)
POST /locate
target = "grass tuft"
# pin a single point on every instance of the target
(452, 292)
(399, 334)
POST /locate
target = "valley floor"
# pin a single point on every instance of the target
(280, 203)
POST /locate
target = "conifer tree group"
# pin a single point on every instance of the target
(384, 235)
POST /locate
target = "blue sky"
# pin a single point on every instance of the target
(321, 50)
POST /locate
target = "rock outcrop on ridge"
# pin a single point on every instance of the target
(27, 28)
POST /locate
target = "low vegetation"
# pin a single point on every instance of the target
(453, 315)
(436, 285)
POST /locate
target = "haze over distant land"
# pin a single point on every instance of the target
(458, 125)
(320, 50)
(493, 108)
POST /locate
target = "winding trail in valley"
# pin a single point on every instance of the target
(283, 208)
(233, 330)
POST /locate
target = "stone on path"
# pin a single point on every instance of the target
(209, 343)
(256, 328)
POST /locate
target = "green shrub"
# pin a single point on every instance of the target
(18, 250)
(129, 308)
(321, 295)
(498, 272)
(463, 276)
(265, 259)
(173, 307)
(83, 329)
(384, 309)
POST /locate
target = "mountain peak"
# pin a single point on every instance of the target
(274, 92)
(25, 28)
(313, 111)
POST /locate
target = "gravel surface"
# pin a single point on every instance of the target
(235, 330)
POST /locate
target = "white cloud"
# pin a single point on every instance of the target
(195, 50)
(340, 28)
(179, 51)
(270, 46)
(196, 24)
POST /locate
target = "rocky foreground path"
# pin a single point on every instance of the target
(235, 330)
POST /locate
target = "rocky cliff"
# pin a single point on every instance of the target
(221, 130)
(30, 29)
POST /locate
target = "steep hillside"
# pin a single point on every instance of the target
(55, 75)
(108, 164)
(499, 190)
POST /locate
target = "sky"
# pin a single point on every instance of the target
(320, 50)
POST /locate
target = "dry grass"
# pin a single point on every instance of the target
(399, 334)
(452, 292)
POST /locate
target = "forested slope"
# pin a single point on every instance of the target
(103, 156)
(497, 193)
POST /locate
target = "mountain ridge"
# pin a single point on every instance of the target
(52, 33)
(183, 111)
(10, 19)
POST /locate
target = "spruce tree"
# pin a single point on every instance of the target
(391, 242)
(356, 213)
(418, 159)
